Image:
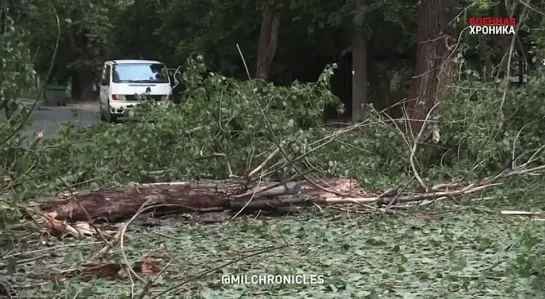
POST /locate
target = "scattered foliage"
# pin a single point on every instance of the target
(224, 127)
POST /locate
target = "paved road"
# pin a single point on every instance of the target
(49, 119)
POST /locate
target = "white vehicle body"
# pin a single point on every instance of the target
(124, 82)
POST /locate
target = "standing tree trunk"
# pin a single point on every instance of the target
(434, 69)
(359, 68)
(82, 79)
(3, 17)
(82, 85)
(268, 42)
(499, 11)
(484, 51)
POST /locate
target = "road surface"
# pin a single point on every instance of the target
(48, 119)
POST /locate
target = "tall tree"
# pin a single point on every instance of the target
(359, 64)
(86, 29)
(267, 45)
(433, 71)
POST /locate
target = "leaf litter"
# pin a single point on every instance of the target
(474, 255)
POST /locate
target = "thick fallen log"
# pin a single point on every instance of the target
(118, 203)
(123, 202)
(230, 198)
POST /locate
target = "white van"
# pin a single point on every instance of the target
(124, 82)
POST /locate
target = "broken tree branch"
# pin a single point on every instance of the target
(522, 213)
(265, 162)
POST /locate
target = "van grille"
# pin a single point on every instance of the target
(133, 98)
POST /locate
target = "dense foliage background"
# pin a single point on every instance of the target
(484, 117)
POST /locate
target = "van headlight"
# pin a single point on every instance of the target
(118, 97)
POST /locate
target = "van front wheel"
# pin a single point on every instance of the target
(111, 118)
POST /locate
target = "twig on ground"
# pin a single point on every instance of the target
(407, 198)
(398, 194)
(54, 248)
(522, 213)
(123, 227)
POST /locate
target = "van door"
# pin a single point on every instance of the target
(105, 85)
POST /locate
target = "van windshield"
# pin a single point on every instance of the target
(139, 73)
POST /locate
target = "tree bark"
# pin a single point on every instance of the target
(268, 43)
(82, 79)
(500, 11)
(484, 51)
(434, 69)
(359, 68)
(379, 93)
(118, 203)
(3, 18)
(82, 85)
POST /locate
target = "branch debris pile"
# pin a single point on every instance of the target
(73, 213)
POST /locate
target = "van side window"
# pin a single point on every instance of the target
(106, 76)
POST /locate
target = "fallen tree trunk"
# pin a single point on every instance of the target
(118, 203)
(122, 202)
